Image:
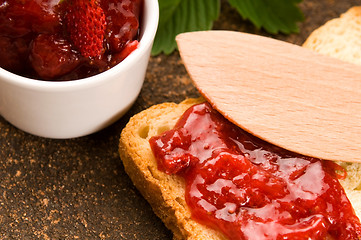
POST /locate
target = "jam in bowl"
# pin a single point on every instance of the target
(102, 87)
(66, 39)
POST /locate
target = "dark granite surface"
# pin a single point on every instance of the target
(77, 188)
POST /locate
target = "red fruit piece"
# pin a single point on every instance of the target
(122, 17)
(20, 17)
(85, 21)
(52, 56)
(128, 49)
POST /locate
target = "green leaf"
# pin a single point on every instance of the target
(178, 16)
(273, 15)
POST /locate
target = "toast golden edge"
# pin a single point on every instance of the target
(165, 193)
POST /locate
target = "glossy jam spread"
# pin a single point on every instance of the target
(249, 189)
(66, 39)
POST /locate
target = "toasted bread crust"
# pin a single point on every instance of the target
(164, 192)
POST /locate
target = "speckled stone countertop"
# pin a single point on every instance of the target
(77, 188)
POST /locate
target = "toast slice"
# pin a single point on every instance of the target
(339, 37)
(164, 192)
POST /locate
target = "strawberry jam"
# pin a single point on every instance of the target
(66, 39)
(249, 189)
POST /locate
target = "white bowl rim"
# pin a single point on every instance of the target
(145, 42)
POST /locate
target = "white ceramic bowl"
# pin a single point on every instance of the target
(80, 107)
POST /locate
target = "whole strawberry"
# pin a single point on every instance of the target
(85, 22)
